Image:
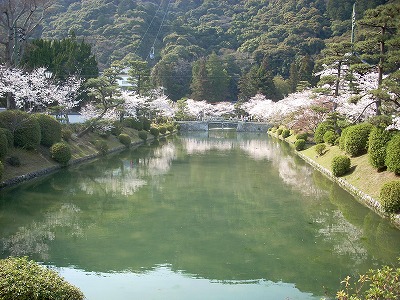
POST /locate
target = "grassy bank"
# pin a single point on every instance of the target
(362, 176)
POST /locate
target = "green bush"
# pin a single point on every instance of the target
(389, 196)
(101, 146)
(285, 133)
(116, 128)
(154, 131)
(9, 136)
(377, 143)
(61, 153)
(14, 161)
(124, 139)
(163, 129)
(342, 138)
(302, 136)
(330, 137)
(1, 171)
(356, 142)
(146, 124)
(299, 144)
(50, 129)
(170, 128)
(3, 145)
(320, 131)
(340, 165)
(392, 159)
(23, 279)
(143, 135)
(279, 131)
(25, 127)
(133, 123)
(381, 283)
(320, 148)
(66, 134)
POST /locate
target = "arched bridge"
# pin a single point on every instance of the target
(223, 124)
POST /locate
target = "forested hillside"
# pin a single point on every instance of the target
(281, 36)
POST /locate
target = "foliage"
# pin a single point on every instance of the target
(101, 146)
(116, 128)
(320, 148)
(124, 139)
(342, 138)
(392, 159)
(356, 142)
(375, 284)
(1, 169)
(146, 124)
(279, 131)
(170, 127)
(389, 197)
(61, 153)
(133, 123)
(66, 134)
(299, 144)
(25, 128)
(24, 279)
(143, 135)
(154, 131)
(3, 145)
(50, 129)
(9, 136)
(321, 129)
(330, 137)
(377, 143)
(163, 129)
(340, 165)
(302, 135)
(285, 133)
(14, 161)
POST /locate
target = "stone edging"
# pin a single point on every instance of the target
(363, 198)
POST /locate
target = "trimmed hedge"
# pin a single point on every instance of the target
(163, 129)
(170, 128)
(24, 279)
(279, 131)
(342, 138)
(390, 197)
(320, 131)
(1, 169)
(101, 146)
(50, 129)
(330, 137)
(143, 135)
(299, 144)
(146, 124)
(25, 128)
(3, 145)
(320, 148)
(377, 143)
(302, 136)
(340, 165)
(124, 139)
(61, 153)
(356, 142)
(285, 133)
(9, 136)
(392, 159)
(117, 128)
(66, 134)
(154, 131)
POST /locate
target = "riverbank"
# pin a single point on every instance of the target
(363, 182)
(38, 162)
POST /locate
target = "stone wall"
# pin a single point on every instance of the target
(241, 127)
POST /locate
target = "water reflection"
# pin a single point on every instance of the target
(220, 206)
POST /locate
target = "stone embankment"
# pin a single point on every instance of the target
(240, 126)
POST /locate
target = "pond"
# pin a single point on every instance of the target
(214, 215)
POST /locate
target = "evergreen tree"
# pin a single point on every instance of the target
(200, 85)
(218, 79)
(265, 81)
(139, 76)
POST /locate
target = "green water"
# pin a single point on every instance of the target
(215, 215)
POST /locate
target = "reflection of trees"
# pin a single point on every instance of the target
(35, 238)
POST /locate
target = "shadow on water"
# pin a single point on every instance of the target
(215, 205)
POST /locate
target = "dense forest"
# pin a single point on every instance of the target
(241, 46)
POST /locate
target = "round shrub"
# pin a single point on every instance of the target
(330, 137)
(356, 142)
(170, 128)
(302, 136)
(320, 148)
(320, 131)
(163, 129)
(14, 161)
(340, 165)
(285, 133)
(1, 169)
(25, 128)
(3, 145)
(116, 128)
(24, 279)
(154, 131)
(342, 138)
(66, 134)
(61, 153)
(9, 136)
(392, 159)
(146, 124)
(389, 197)
(299, 144)
(377, 143)
(50, 129)
(279, 131)
(143, 135)
(124, 139)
